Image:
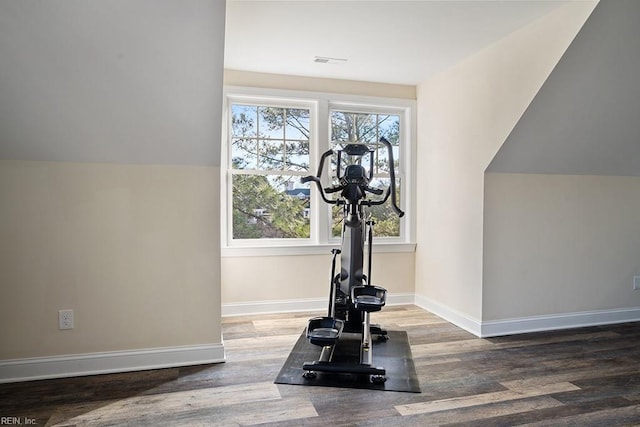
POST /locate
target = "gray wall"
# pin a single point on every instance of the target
(121, 81)
(585, 119)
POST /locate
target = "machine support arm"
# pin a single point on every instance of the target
(392, 174)
(317, 178)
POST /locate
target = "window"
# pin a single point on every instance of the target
(349, 126)
(269, 154)
(273, 138)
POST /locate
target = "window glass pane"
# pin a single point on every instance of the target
(353, 127)
(337, 217)
(382, 159)
(244, 118)
(297, 155)
(270, 206)
(271, 121)
(270, 138)
(389, 127)
(297, 124)
(338, 127)
(366, 128)
(271, 155)
(387, 223)
(244, 153)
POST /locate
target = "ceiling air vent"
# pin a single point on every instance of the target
(328, 60)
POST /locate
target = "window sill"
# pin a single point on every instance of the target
(295, 250)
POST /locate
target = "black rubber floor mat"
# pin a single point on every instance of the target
(394, 355)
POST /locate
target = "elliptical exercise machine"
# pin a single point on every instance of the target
(352, 295)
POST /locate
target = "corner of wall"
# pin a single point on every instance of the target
(464, 116)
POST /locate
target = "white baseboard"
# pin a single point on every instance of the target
(459, 319)
(401, 299)
(276, 306)
(39, 368)
(296, 305)
(521, 325)
(551, 322)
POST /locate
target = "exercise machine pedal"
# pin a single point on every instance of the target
(324, 331)
(368, 298)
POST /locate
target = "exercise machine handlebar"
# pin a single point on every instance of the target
(392, 175)
(316, 178)
(391, 190)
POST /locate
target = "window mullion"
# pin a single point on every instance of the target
(322, 213)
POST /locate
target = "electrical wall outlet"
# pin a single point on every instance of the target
(636, 283)
(65, 319)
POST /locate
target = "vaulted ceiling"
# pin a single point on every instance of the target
(585, 120)
(136, 81)
(123, 81)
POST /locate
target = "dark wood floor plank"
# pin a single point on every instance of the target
(579, 377)
(625, 416)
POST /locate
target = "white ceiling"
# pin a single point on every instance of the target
(392, 41)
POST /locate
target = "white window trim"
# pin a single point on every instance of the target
(320, 104)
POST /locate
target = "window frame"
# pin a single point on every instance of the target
(228, 198)
(320, 106)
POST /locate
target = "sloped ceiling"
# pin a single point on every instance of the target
(585, 120)
(124, 81)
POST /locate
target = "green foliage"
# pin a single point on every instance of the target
(262, 211)
(387, 223)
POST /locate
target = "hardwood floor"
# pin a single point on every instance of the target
(580, 377)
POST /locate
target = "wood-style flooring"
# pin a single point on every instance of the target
(580, 377)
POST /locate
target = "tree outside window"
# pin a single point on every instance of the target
(269, 153)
